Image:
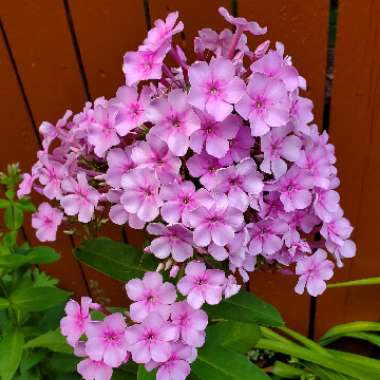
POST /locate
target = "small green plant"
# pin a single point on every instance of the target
(31, 304)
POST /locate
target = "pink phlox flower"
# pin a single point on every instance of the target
(154, 153)
(215, 222)
(179, 199)
(174, 121)
(150, 294)
(239, 147)
(106, 340)
(301, 113)
(210, 40)
(51, 176)
(163, 31)
(214, 135)
(119, 162)
(238, 182)
(231, 287)
(270, 206)
(266, 237)
(144, 64)
(174, 240)
(316, 164)
(94, 370)
(204, 166)
(130, 106)
(101, 131)
(26, 185)
(77, 317)
(191, 323)
(151, 339)
(214, 87)
(274, 66)
(337, 230)
(119, 215)
(81, 199)
(265, 104)
(277, 147)
(294, 188)
(201, 285)
(141, 187)
(177, 367)
(241, 23)
(50, 132)
(306, 220)
(345, 251)
(46, 221)
(260, 51)
(326, 204)
(314, 271)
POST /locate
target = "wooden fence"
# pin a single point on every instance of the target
(56, 54)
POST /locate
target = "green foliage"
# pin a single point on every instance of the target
(30, 303)
(117, 260)
(245, 307)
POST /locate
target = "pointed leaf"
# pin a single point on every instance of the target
(245, 307)
(52, 340)
(218, 363)
(37, 299)
(143, 374)
(117, 260)
(10, 353)
(236, 336)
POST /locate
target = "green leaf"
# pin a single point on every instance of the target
(347, 328)
(36, 255)
(43, 279)
(10, 353)
(288, 371)
(4, 303)
(62, 363)
(326, 374)
(25, 204)
(343, 366)
(52, 340)
(218, 363)
(117, 260)
(361, 282)
(13, 217)
(30, 359)
(37, 299)
(236, 336)
(143, 374)
(4, 203)
(10, 239)
(245, 307)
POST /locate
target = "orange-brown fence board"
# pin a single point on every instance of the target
(62, 48)
(355, 131)
(302, 26)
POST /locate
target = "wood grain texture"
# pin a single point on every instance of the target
(302, 26)
(355, 131)
(19, 144)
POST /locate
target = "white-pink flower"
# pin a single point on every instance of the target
(175, 240)
(81, 199)
(214, 87)
(150, 294)
(106, 340)
(201, 285)
(174, 121)
(265, 104)
(46, 221)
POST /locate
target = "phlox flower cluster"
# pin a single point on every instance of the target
(219, 160)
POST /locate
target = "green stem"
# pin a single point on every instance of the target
(361, 282)
(305, 341)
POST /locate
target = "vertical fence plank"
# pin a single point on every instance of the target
(105, 31)
(355, 131)
(50, 73)
(303, 27)
(19, 143)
